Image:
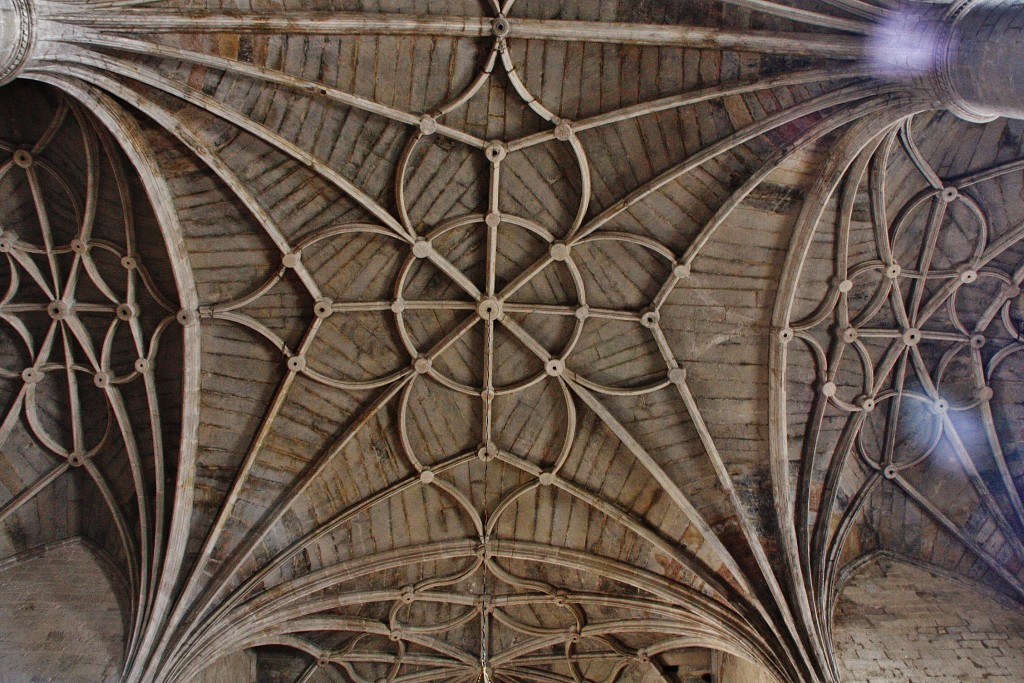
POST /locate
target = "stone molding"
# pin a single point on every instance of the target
(945, 63)
(17, 33)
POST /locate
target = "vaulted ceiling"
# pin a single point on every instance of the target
(449, 341)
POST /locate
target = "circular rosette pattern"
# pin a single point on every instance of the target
(899, 344)
(90, 350)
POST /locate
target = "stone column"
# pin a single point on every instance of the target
(16, 35)
(982, 68)
(967, 56)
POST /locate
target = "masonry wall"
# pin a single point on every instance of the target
(899, 623)
(736, 670)
(59, 619)
(237, 668)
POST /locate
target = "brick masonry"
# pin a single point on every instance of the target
(59, 619)
(900, 623)
(239, 667)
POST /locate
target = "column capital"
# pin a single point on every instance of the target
(17, 33)
(967, 56)
(980, 71)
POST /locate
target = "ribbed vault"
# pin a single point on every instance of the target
(91, 351)
(520, 343)
(906, 326)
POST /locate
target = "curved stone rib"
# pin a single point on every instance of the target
(340, 23)
(804, 16)
(268, 75)
(847, 150)
(831, 99)
(193, 96)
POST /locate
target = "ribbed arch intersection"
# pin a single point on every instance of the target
(520, 343)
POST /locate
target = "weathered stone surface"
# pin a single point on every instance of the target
(239, 667)
(895, 622)
(518, 342)
(61, 617)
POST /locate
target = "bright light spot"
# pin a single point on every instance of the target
(902, 46)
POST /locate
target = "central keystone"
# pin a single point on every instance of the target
(489, 308)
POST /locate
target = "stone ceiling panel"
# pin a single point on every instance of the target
(537, 341)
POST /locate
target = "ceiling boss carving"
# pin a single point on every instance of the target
(487, 323)
(472, 371)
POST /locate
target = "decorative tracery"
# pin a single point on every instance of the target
(481, 454)
(451, 302)
(910, 339)
(83, 324)
(498, 310)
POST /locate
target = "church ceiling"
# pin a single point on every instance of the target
(537, 342)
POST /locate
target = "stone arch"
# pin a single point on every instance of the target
(896, 621)
(63, 612)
